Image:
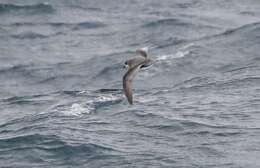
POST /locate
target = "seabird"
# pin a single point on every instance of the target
(134, 65)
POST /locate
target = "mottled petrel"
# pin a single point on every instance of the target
(134, 65)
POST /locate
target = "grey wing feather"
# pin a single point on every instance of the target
(128, 91)
(127, 82)
(135, 61)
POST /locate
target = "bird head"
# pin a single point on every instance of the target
(142, 51)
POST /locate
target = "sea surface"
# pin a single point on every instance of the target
(61, 99)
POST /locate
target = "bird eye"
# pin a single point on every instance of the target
(126, 65)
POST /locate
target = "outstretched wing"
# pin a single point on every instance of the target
(128, 90)
(127, 82)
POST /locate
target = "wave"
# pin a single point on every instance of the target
(49, 143)
(170, 42)
(185, 5)
(169, 59)
(109, 90)
(194, 80)
(22, 70)
(84, 24)
(77, 109)
(30, 35)
(164, 122)
(166, 22)
(240, 69)
(198, 83)
(195, 124)
(72, 92)
(13, 68)
(247, 29)
(108, 72)
(86, 8)
(28, 9)
(27, 138)
(33, 99)
(76, 25)
(60, 28)
(88, 25)
(60, 77)
(3, 31)
(179, 54)
(87, 106)
(229, 134)
(89, 149)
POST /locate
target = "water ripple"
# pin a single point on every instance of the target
(41, 8)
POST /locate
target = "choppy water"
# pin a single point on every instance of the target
(61, 68)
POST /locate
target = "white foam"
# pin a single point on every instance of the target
(187, 46)
(163, 57)
(145, 99)
(106, 98)
(80, 108)
(179, 54)
(184, 51)
(83, 92)
(77, 109)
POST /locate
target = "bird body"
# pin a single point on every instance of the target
(134, 65)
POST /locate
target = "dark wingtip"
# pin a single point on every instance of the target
(130, 101)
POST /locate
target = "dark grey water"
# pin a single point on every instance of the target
(61, 68)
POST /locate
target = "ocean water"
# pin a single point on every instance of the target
(61, 68)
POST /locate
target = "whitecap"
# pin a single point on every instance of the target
(179, 54)
(107, 98)
(187, 46)
(83, 92)
(86, 107)
(146, 99)
(76, 109)
(184, 51)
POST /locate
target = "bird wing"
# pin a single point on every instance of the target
(135, 61)
(127, 82)
(148, 62)
(128, 90)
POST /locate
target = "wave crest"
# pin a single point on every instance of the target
(166, 22)
(29, 9)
